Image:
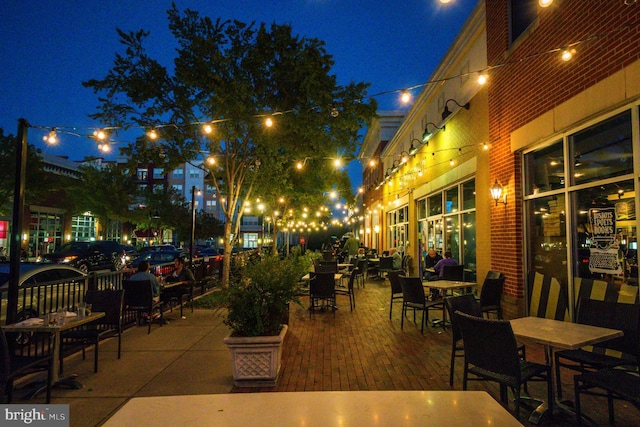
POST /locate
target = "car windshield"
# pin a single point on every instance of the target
(74, 247)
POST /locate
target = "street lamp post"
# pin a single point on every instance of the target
(193, 224)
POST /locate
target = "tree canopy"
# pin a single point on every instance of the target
(233, 76)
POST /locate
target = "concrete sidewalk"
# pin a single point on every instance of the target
(185, 356)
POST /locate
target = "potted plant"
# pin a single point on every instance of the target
(258, 309)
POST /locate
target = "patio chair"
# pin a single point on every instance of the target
(453, 272)
(14, 366)
(111, 303)
(385, 266)
(348, 291)
(138, 297)
(322, 289)
(465, 304)
(396, 288)
(617, 383)
(491, 354)
(360, 271)
(413, 297)
(491, 296)
(608, 354)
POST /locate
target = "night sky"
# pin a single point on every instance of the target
(47, 48)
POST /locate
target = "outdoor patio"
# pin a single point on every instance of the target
(359, 350)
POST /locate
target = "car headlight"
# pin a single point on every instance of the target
(70, 258)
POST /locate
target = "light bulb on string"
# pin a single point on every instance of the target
(545, 3)
(567, 54)
(152, 134)
(207, 128)
(405, 96)
(268, 122)
(51, 137)
(482, 79)
(100, 134)
(211, 160)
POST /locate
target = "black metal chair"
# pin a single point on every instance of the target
(385, 266)
(491, 296)
(396, 288)
(465, 304)
(109, 301)
(360, 271)
(138, 297)
(348, 291)
(622, 351)
(491, 354)
(413, 297)
(615, 382)
(453, 272)
(14, 366)
(322, 289)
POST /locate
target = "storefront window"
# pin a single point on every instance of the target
(602, 151)
(469, 195)
(584, 232)
(451, 204)
(545, 169)
(435, 204)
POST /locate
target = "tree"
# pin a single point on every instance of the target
(38, 185)
(233, 76)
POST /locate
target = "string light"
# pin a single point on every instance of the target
(268, 122)
(405, 97)
(51, 137)
(567, 54)
(482, 79)
(152, 134)
(545, 3)
(207, 129)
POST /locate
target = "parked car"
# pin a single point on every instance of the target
(89, 256)
(158, 248)
(33, 303)
(155, 258)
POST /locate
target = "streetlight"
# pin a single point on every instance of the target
(193, 223)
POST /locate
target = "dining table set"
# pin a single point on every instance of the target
(54, 324)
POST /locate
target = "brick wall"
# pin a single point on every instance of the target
(533, 82)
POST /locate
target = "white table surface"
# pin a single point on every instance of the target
(317, 409)
(307, 277)
(560, 334)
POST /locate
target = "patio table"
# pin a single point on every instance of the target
(558, 334)
(317, 409)
(56, 329)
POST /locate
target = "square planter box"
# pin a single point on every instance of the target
(256, 360)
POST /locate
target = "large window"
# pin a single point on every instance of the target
(447, 222)
(522, 14)
(398, 221)
(580, 207)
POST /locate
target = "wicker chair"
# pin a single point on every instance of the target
(491, 354)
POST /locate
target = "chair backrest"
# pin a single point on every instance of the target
(137, 293)
(547, 297)
(609, 314)
(465, 303)
(412, 290)
(453, 272)
(489, 345)
(491, 293)
(394, 279)
(361, 265)
(109, 301)
(494, 275)
(386, 263)
(322, 285)
(327, 266)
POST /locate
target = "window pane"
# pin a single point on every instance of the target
(421, 209)
(469, 242)
(452, 235)
(603, 151)
(548, 241)
(523, 13)
(435, 204)
(451, 204)
(435, 235)
(605, 236)
(469, 194)
(544, 169)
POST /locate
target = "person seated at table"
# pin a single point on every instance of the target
(397, 258)
(181, 273)
(430, 262)
(144, 274)
(447, 260)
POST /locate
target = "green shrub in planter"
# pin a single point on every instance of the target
(260, 301)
